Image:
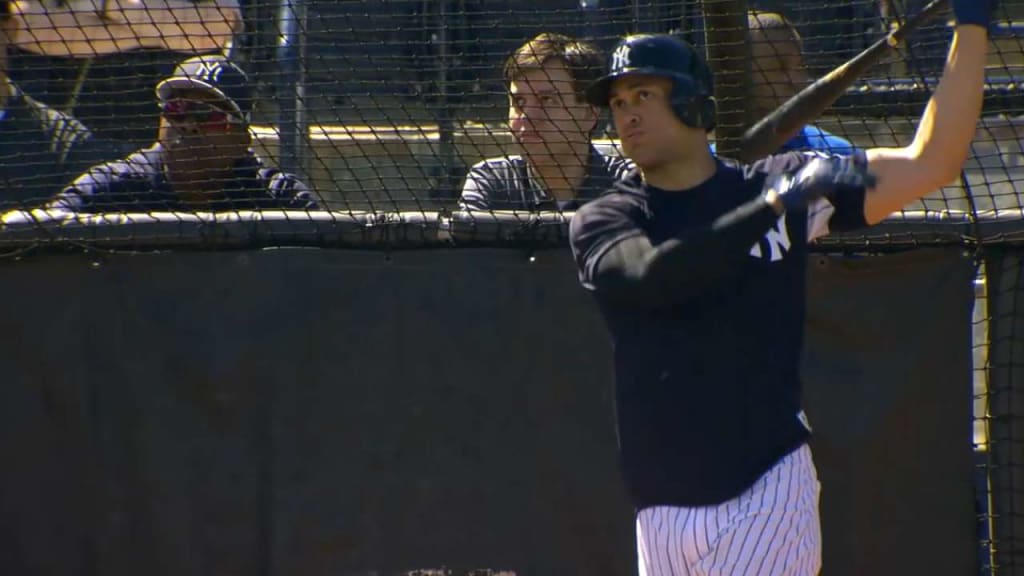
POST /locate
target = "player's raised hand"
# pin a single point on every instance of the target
(978, 12)
(819, 177)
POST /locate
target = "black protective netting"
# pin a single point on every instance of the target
(382, 106)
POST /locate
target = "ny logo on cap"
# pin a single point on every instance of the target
(209, 72)
(620, 58)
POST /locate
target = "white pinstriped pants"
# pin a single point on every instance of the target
(772, 529)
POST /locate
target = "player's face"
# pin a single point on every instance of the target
(198, 130)
(649, 131)
(544, 114)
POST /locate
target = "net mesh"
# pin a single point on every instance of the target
(382, 107)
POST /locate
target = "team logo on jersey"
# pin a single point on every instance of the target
(620, 58)
(776, 242)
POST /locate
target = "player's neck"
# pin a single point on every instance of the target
(682, 174)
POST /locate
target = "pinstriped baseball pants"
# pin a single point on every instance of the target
(772, 529)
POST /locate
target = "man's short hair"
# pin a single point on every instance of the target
(584, 60)
(775, 29)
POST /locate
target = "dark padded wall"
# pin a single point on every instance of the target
(332, 412)
(888, 392)
(314, 412)
(1005, 271)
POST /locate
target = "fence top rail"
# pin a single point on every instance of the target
(424, 229)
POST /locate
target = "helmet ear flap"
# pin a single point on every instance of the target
(709, 114)
(692, 107)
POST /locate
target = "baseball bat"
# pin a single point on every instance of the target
(774, 130)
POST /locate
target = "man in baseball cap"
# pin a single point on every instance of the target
(214, 74)
(202, 159)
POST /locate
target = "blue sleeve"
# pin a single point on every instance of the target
(824, 141)
(835, 145)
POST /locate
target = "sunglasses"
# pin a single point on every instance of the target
(196, 112)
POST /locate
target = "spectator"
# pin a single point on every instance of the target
(926, 55)
(87, 28)
(779, 73)
(552, 124)
(41, 149)
(202, 159)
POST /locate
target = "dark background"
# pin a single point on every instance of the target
(308, 411)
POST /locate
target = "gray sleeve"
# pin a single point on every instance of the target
(80, 192)
(291, 192)
(90, 151)
(479, 188)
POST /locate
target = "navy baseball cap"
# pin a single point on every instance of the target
(214, 73)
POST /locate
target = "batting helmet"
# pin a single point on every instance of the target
(670, 57)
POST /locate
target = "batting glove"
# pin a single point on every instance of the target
(830, 176)
(977, 12)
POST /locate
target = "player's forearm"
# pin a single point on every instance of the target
(68, 200)
(944, 134)
(643, 275)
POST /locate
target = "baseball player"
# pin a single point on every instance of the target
(697, 264)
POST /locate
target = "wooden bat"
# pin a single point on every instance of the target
(774, 130)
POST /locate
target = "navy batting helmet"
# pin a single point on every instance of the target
(670, 57)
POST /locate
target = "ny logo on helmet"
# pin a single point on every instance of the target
(620, 58)
(209, 72)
